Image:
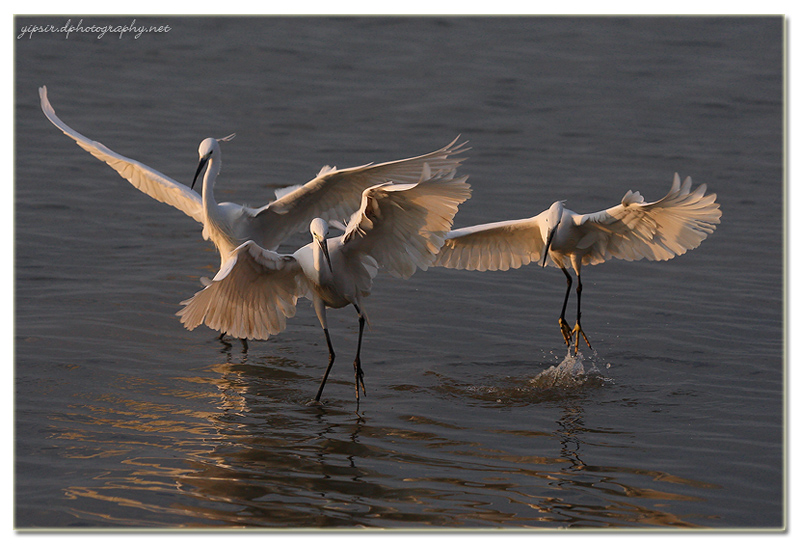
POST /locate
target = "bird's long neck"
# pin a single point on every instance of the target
(212, 171)
(216, 226)
(322, 269)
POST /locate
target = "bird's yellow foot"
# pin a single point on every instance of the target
(577, 332)
(566, 332)
(359, 378)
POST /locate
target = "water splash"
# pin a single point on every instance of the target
(574, 375)
(569, 374)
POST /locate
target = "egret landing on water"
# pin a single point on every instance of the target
(632, 230)
(333, 195)
(399, 227)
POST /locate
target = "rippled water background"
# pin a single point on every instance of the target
(123, 419)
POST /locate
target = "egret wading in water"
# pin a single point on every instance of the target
(631, 230)
(399, 227)
(333, 194)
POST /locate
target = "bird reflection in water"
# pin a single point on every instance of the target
(259, 456)
(599, 496)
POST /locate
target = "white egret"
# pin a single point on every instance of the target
(333, 195)
(632, 230)
(399, 227)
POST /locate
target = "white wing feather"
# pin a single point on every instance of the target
(493, 246)
(403, 226)
(656, 231)
(632, 230)
(250, 297)
(335, 194)
(149, 181)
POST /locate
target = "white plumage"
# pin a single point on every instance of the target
(631, 230)
(398, 227)
(333, 194)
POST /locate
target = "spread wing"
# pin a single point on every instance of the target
(335, 194)
(250, 297)
(149, 181)
(632, 230)
(657, 231)
(493, 246)
(403, 226)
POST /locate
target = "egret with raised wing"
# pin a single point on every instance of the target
(631, 230)
(399, 227)
(332, 195)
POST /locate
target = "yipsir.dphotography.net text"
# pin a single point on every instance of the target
(99, 30)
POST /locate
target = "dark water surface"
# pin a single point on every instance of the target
(124, 419)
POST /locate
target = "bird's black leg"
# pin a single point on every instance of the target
(578, 330)
(357, 363)
(566, 331)
(245, 345)
(224, 342)
(331, 357)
